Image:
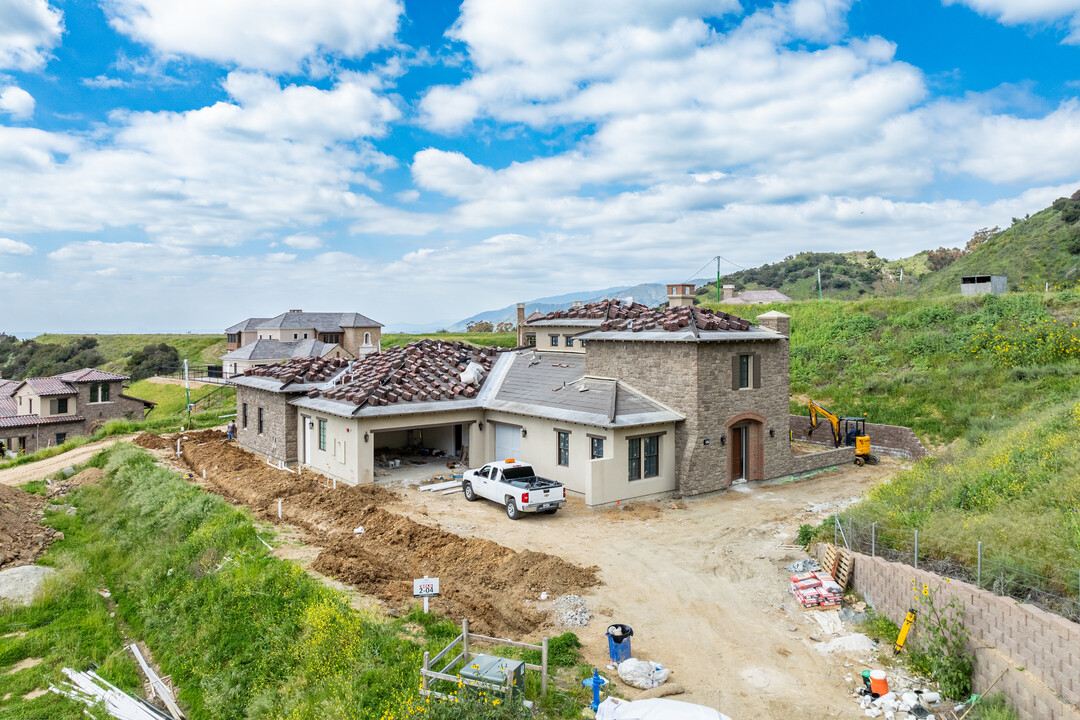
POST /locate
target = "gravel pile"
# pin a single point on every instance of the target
(571, 611)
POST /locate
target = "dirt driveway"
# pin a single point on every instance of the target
(703, 587)
(51, 466)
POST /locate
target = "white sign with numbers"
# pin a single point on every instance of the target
(425, 587)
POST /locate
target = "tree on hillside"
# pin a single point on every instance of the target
(480, 326)
(152, 360)
(943, 257)
(504, 327)
(1069, 209)
(34, 359)
(981, 237)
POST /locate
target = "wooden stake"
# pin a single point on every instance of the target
(984, 694)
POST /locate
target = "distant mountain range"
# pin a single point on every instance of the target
(651, 294)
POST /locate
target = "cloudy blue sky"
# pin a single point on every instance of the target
(181, 165)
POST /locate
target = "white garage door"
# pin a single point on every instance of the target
(507, 441)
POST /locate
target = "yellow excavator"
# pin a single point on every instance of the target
(846, 431)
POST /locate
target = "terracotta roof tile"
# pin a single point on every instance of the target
(302, 370)
(49, 386)
(618, 316)
(425, 370)
(23, 420)
(90, 375)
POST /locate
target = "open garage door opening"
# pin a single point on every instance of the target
(415, 454)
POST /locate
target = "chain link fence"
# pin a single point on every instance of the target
(1052, 587)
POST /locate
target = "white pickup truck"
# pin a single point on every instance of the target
(515, 486)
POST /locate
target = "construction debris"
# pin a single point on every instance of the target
(570, 611)
(802, 566)
(816, 590)
(643, 674)
(160, 689)
(840, 563)
(90, 689)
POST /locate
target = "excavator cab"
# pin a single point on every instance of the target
(854, 434)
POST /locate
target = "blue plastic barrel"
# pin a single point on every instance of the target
(618, 639)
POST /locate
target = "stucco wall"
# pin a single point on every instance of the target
(1040, 650)
(607, 480)
(543, 338)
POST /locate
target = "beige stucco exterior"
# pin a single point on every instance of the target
(562, 333)
(350, 459)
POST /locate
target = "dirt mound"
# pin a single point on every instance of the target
(479, 579)
(151, 441)
(89, 476)
(22, 537)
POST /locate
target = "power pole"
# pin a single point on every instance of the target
(901, 282)
(717, 278)
(187, 393)
(819, 283)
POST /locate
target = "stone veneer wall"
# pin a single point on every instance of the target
(695, 379)
(817, 461)
(278, 439)
(885, 439)
(1005, 634)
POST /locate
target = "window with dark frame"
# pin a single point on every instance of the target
(597, 448)
(61, 407)
(564, 448)
(554, 340)
(243, 415)
(645, 449)
(744, 371)
(569, 341)
(60, 437)
(322, 434)
(260, 414)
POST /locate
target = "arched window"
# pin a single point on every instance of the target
(367, 338)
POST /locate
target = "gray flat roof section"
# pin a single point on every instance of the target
(550, 385)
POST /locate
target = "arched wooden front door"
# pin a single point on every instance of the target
(746, 448)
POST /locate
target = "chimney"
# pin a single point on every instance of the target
(680, 295)
(296, 310)
(776, 321)
(729, 292)
(521, 324)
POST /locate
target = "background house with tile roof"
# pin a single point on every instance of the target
(41, 412)
(296, 334)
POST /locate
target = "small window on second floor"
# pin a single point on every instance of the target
(554, 340)
(569, 341)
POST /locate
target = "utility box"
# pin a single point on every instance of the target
(983, 284)
(495, 670)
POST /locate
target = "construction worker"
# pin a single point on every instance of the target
(230, 430)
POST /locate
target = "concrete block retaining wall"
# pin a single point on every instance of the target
(1005, 634)
(884, 439)
(816, 461)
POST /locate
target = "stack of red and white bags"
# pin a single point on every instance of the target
(816, 589)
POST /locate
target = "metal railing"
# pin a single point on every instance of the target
(1052, 586)
(215, 374)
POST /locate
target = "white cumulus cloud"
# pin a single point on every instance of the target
(273, 35)
(303, 242)
(14, 247)
(1017, 12)
(17, 103)
(29, 30)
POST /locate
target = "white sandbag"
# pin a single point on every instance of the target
(655, 709)
(643, 674)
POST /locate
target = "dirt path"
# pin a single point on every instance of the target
(51, 466)
(703, 587)
(702, 583)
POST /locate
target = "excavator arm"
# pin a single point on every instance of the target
(816, 410)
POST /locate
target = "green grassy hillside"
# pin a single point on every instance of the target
(944, 368)
(1033, 252)
(506, 339)
(197, 349)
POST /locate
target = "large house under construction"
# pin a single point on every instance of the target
(642, 403)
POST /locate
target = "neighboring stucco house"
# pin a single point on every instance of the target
(685, 400)
(40, 412)
(272, 352)
(295, 334)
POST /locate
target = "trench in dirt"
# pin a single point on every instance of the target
(479, 579)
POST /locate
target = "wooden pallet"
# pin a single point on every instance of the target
(839, 563)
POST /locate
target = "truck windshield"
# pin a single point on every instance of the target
(518, 473)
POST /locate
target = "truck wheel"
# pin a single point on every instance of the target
(512, 511)
(470, 494)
